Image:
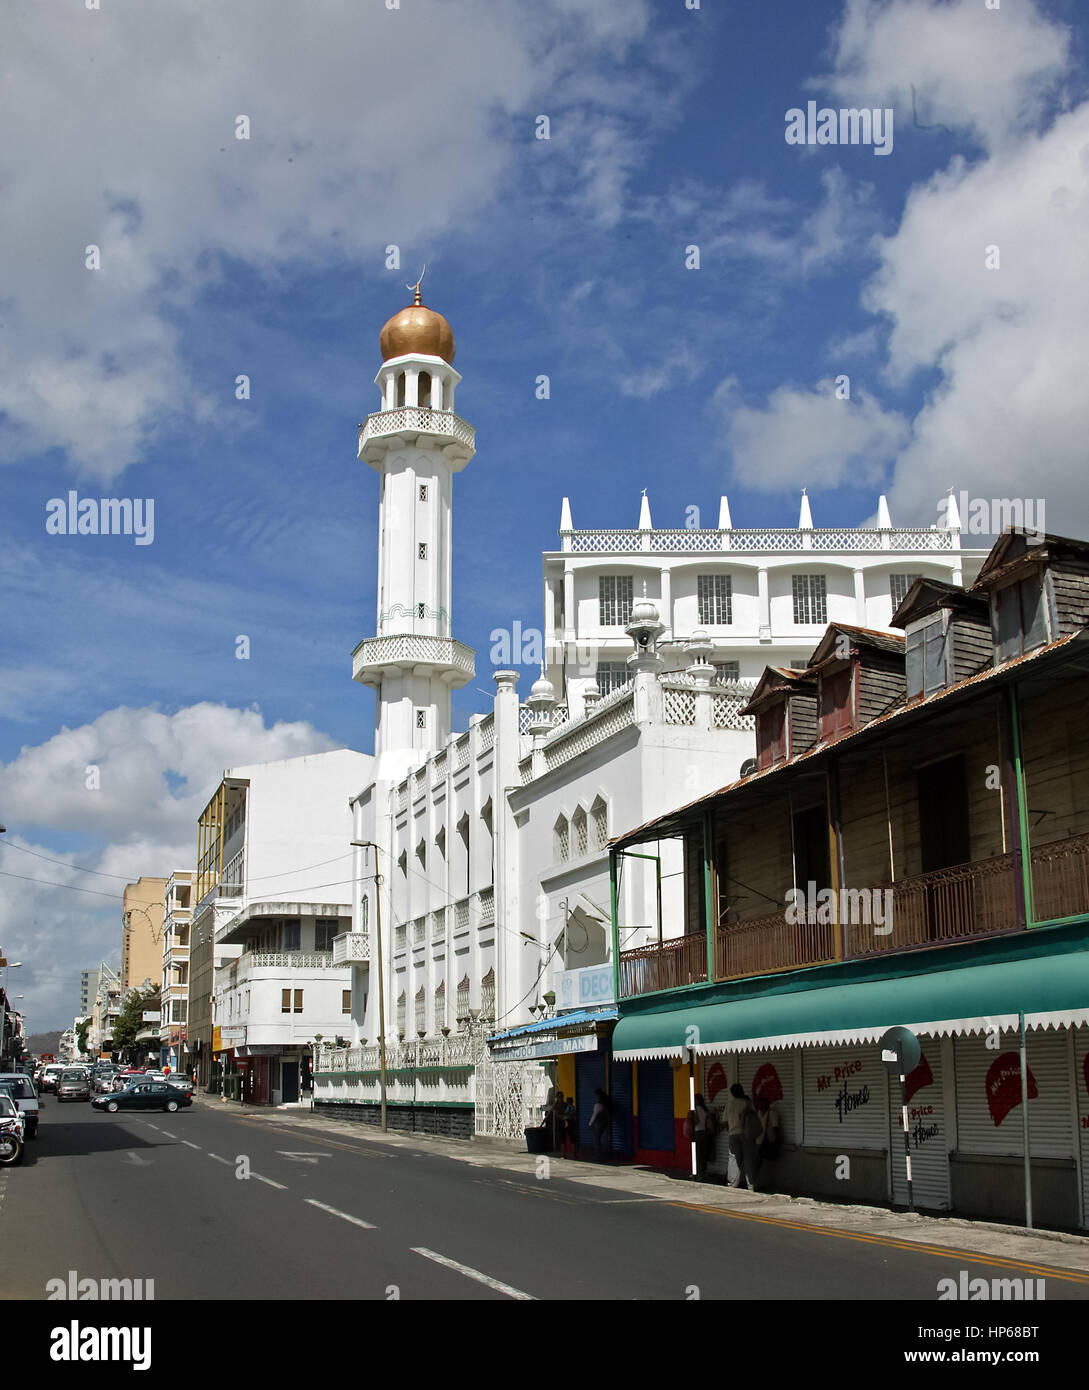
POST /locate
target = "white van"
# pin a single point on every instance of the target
(21, 1089)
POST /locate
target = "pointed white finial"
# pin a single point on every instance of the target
(884, 520)
(724, 522)
(805, 517)
(566, 524)
(952, 513)
(644, 588)
(645, 523)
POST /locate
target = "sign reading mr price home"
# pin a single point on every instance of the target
(586, 988)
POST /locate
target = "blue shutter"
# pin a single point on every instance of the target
(656, 1129)
(620, 1089)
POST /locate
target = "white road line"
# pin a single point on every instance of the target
(190, 1145)
(342, 1214)
(217, 1158)
(166, 1135)
(150, 1125)
(269, 1181)
(496, 1284)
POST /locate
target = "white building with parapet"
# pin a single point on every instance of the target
(483, 855)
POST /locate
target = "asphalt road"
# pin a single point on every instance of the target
(164, 1197)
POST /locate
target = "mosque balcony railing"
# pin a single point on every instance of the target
(845, 539)
(416, 421)
(407, 650)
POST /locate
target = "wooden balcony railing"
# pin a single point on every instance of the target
(949, 904)
(1060, 878)
(770, 942)
(682, 961)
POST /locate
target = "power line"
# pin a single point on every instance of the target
(131, 878)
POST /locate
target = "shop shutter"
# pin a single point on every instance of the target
(1081, 1091)
(926, 1123)
(589, 1075)
(845, 1097)
(656, 1129)
(620, 1092)
(989, 1087)
(775, 1073)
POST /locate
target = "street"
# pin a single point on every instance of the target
(323, 1216)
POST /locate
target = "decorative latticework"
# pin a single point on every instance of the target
(525, 771)
(400, 936)
(400, 802)
(487, 906)
(582, 734)
(847, 540)
(421, 1010)
(525, 717)
(487, 995)
(418, 931)
(461, 753)
(461, 914)
(410, 648)
(686, 540)
(412, 419)
(561, 844)
(757, 538)
(680, 706)
(509, 1096)
(726, 707)
(402, 1013)
(578, 825)
(487, 732)
(599, 815)
(438, 925)
(440, 1005)
(438, 767)
(609, 542)
(463, 1000)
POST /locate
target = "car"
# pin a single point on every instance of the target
(73, 1085)
(102, 1078)
(11, 1131)
(50, 1075)
(21, 1090)
(143, 1095)
(181, 1082)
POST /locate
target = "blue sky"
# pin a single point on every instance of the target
(563, 257)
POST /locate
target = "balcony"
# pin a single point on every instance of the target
(770, 942)
(289, 962)
(352, 948)
(376, 656)
(384, 428)
(672, 965)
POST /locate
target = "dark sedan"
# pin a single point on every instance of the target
(144, 1095)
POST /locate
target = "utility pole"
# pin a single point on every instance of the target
(369, 844)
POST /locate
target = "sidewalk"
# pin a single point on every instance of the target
(1053, 1249)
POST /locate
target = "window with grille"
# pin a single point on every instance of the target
(727, 671)
(463, 1000)
(423, 550)
(560, 839)
(292, 935)
(611, 675)
(614, 599)
(810, 598)
(423, 488)
(716, 596)
(440, 1004)
(487, 995)
(578, 824)
(401, 1012)
(421, 1010)
(899, 584)
(325, 928)
(599, 814)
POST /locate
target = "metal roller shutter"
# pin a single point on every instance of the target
(1081, 1092)
(589, 1076)
(988, 1088)
(845, 1097)
(772, 1074)
(620, 1093)
(656, 1130)
(716, 1091)
(926, 1123)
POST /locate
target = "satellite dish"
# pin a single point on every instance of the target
(748, 766)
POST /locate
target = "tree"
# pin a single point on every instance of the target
(81, 1037)
(130, 1020)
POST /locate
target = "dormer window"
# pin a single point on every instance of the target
(771, 734)
(1021, 618)
(926, 656)
(836, 703)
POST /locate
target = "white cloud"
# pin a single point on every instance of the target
(973, 68)
(133, 824)
(807, 437)
(368, 126)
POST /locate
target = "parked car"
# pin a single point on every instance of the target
(182, 1082)
(50, 1076)
(73, 1085)
(144, 1095)
(21, 1090)
(11, 1132)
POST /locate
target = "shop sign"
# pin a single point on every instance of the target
(233, 1034)
(555, 1047)
(582, 989)
(1004, 1086)
(849, 1097)
(217, 1039)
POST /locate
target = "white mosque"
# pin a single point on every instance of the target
(481, 920)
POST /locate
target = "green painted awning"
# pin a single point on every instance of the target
(1051, 987)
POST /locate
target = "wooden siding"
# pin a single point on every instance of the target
(972, 646)
(803, 721)
(757, 871)
(882, 683)
(1055, 751)
(1070, 588)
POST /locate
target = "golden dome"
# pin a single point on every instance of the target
(417, 329)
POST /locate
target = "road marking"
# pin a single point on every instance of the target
(469, 1273)
(259, 1178)
(166, 1135)
(140, 1162)
(190, 1145)
(150, 1125)
(342, 1214)
(914, 1246)
(217, 1158)
(302, 1157)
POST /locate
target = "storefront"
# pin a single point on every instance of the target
(813, 1054)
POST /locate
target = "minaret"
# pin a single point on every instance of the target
(415, 443)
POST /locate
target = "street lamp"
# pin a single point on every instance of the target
(369, 844)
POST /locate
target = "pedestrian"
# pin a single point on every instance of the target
(737, 1107)
(555, 1119)
(702, 1124)
(600, 1121)
(571, 1124)
(751, 1135)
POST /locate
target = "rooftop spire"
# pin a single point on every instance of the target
(416, 300)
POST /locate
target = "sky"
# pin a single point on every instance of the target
(196, 192)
